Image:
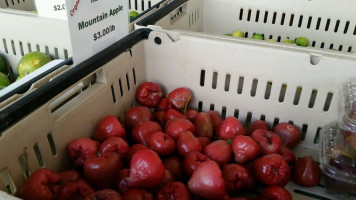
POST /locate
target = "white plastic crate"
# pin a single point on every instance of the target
(242, 78)
(327, 24)
(23, 31)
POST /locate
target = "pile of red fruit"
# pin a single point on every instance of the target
(165, 150)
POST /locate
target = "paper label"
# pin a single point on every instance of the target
(96, 24)
(55, 9)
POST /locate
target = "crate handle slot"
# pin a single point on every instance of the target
(8, 181)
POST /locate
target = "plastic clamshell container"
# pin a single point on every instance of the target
(337, 162)
(246, 79)
(327, 24)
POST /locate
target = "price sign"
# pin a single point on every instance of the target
(52, 9)
(95, 25)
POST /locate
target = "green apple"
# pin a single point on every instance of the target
(32, 61)
(4, 80)
(302, 41)
(238, 33)
(257, 36)
(133, 14)
(288, 41)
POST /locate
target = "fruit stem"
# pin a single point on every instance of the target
(186, 104)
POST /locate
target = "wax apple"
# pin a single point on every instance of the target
(230, 128)
(137, 115)
(289, 134)
(149, 94)
(142, 132)
(207, 181)
(306, 172)
(203, 125)
(258, 124)
(274, 193)
(174, 190)
(245, 149)
(187, 142)
(269, 141)
(272, 169)
(192, 160)
(179, 98)
(105, 194)
(162, 143)
(175, 127)
(220, 151)
(115, 144)
(108, 127)
(235, 177)
(81, 149)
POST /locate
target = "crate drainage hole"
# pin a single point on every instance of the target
(314, 60)
(311, 195)
(158, 40)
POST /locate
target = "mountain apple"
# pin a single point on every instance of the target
(235, 177)
(162, 143)
(245, 149)
(287, 154)
(137, 115)
(269, 141)
(306, 172)
(149, 94)
(105, 194)
(115, 144)
(230, 128)
(220, 151)
(203, 125)
(180, 98)
(108, 127)
(192, 160)
(258, 124)
(272, 169)
(207, 181)
(174, 190)
(141, 133)
(274, 192)
(81, 149)
(175, 127)
(289, 134)
(146, 169)
(187, 142)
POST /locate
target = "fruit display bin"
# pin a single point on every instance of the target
(244, 79)
(326, 24)
(24, 31)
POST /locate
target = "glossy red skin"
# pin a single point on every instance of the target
(142, 132)
(269, 141)
(173, 114)
(230, 128)
(146, 169)
(162, 143)
(102, 171)
(203, 125)
(133, 149)
(204, 141)
(175, 127)
(72, 190)
(187, 142)
(220, 151)
(115, 144)
(123, 183)
(258, 124)
(287, 154)
(215, 118)
(274, 193)
(137, 194)
(306, 172)
(235, 177)
(137, 115)
(252, 183)
(105, 194)
(168, 178)
(149, 94)
(81, 149)
(179, 97)
(272, 169)
(192, 160)
(174, 190)
(289, 134)
(191, 114)
(108, 127)
(68, 176)
(175, 165)
(39, 186)
(163, 105)
(245, 149)
(207, 181)
(159, 117)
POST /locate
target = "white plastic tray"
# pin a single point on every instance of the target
(327, 24)
(243, 78)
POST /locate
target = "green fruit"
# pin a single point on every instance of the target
(2, 87)
(2, 64)
(257, 36)
(4, 80)
(238, 33)
(133, 14)
(302, 41)
(288, 41)
(32, 61)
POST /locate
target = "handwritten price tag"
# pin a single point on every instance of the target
(96, 24)
(52, 9)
